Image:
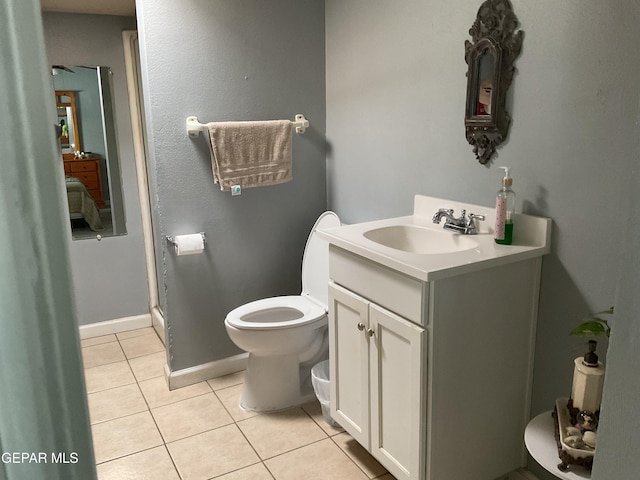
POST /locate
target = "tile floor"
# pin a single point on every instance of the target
(143, 431)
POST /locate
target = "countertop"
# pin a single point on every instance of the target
(531, 239)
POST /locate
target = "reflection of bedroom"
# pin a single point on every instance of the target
(85, 158)
(82, 208)
(88, 210)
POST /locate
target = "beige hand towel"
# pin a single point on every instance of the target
(250, 154)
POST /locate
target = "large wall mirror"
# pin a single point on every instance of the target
(490, 57)
(89, 149)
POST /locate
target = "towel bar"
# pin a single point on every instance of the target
(194, 127)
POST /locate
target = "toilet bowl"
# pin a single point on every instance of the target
(287, 335)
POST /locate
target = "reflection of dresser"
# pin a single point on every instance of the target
(87, 170)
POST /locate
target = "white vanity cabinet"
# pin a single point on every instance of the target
(378, 379)
(433, 377)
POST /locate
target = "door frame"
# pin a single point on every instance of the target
(136, 107)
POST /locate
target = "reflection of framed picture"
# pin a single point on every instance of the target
(484, 97)
(64, 132)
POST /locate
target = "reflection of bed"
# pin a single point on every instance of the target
(81, 204)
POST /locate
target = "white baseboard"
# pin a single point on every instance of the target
(205, 371)
(115, 326)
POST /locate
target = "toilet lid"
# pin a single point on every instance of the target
(315, 262)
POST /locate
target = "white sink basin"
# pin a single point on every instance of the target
(421, 240)
(413, 245)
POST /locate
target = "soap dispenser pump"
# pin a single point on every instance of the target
(505, 208)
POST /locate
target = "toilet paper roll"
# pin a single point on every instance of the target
(189, 244)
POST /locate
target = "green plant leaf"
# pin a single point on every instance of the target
(593, 328)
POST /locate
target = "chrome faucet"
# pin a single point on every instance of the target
(463, 224)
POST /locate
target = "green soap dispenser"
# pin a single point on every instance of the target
(505, 207)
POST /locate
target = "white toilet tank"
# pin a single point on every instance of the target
(315, 262)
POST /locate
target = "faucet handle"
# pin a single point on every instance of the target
(442, 212)
(472, 221)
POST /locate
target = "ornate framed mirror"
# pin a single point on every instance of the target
(490, 57)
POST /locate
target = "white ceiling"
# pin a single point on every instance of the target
(100, 7)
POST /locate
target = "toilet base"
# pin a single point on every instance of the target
(279, 382)
(275, 383)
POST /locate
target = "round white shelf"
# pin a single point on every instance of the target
(541, 443)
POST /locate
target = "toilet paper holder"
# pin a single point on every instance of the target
(171, 241)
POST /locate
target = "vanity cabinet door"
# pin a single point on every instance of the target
(349, 354)
(378, 381)
(398, 413)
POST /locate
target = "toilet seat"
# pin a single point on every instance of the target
(276, 313)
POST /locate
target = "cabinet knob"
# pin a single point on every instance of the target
(361, 326)
(371, 332)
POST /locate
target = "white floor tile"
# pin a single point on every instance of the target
(143, 431)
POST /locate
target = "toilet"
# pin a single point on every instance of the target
(287, 335)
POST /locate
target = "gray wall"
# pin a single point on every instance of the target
(395, 107)
(109, 276)
(229, 60)
(619, 420)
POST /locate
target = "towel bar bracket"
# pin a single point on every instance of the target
(300, 123)
(194, 127)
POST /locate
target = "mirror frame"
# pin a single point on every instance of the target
(60, 103)
(492, 34)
